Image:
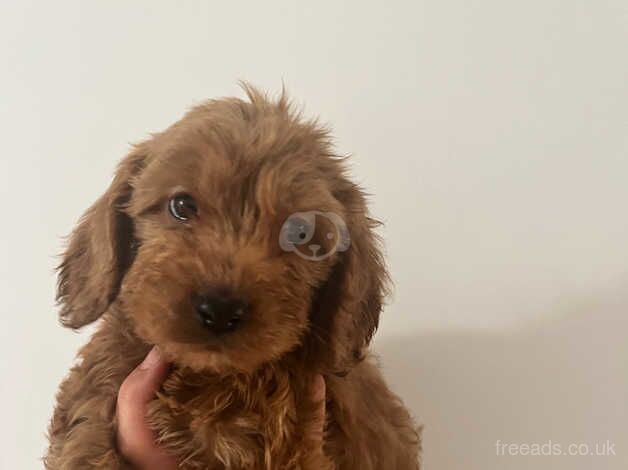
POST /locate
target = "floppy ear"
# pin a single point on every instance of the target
(99, 251)
(346, 309)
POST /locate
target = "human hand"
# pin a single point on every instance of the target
(136, 441)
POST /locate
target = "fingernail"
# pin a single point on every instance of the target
(151, 360)
(318, 392)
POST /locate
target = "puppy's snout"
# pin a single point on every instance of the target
(220, 311)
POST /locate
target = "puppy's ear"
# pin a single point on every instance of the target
(346, 309)
(99, 251)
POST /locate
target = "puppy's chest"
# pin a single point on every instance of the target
(214, 423)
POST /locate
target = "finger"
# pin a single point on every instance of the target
(318, 389)
(135, 439)
(317, 393)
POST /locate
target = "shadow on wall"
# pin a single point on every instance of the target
(563, 381)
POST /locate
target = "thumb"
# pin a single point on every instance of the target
(135, 439)
(142, 384)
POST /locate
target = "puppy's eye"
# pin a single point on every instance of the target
(182, 207)
(297, 230)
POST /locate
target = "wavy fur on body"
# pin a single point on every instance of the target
(237, 401)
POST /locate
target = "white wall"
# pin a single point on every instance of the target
(493, 135)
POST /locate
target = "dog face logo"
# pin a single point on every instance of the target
(314, 235)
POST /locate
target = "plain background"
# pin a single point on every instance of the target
(492, 135)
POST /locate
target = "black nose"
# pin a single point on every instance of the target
(220, 311)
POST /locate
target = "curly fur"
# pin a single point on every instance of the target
(239, 401)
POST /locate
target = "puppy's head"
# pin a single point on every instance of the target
(229, 240)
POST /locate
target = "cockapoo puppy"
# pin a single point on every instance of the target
(235, 242)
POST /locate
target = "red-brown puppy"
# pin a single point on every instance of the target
(235, 242)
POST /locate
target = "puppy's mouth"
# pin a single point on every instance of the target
(193, 333)
(210, 344)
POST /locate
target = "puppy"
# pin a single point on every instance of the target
(235, 242)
